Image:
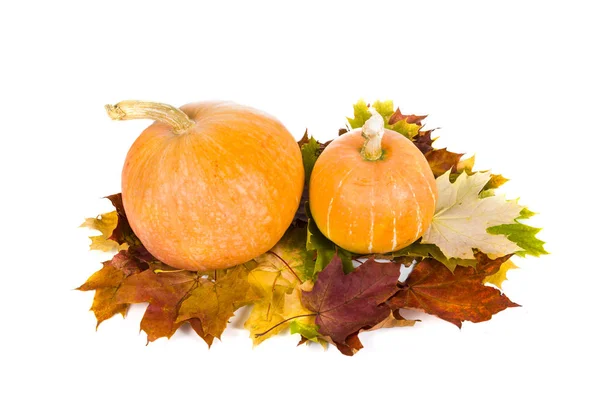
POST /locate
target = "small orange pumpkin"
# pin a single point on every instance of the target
(210, 185)
(372, 190)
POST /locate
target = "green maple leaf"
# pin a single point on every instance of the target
(310, 152)
(419, 249)
(308, 331)
(522, 235)
(326, 249)
(385, 108)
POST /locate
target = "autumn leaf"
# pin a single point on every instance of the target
(163, 292)
(115, 232)
(290, 256)
(310, 149)
(213, 302)
(393, 320)
(397, 116)
(278, 272)
(454, 297)
(346, 303)
(325, 248)
(105, 224)
(462, 218)
(304, 139)
(122, 232)
(307, 331)
(310, 152)
(442, 160)
(495, 182)
(419, 249)
(467, 165)
(423, 141)
(178, 296)
(407, 125)
(264, 323)
(522, 235)
(107, 281)
(499, 277)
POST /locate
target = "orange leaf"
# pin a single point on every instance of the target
(108, 280)
(204, 299)
(454, 297)
(442, 160)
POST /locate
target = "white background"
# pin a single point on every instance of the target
(517, 83)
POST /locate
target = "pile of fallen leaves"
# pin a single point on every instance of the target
(324, 293)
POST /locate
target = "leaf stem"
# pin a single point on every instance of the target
(286, 264)
(165, 271)
(283, 322)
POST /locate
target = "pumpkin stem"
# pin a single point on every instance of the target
(134, 109)
(372, 131)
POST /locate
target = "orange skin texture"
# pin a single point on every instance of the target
(218, 195)
(372, 206)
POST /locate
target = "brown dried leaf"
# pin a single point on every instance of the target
(178, 296)
(454, 297)
(107, 281)
(442, 160)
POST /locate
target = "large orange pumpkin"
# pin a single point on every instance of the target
(209, 185)
(372, 190)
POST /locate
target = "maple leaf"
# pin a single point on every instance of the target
(499, 277)
(393, 320)
(303, 140)
(346, 303)
(122, 233)
(454, 297)
(324, 247)
(290, 256)
(395, 121)
(115, 232)
(280, 270)
(462, 218)
(107, 281)
(423, 141)
(213, 302)
(495, 182)
(442, 160)
(105, 224)
(310, 149)
(204, 299)
(410, 119)
(522, 235)
(310, 152)
(467, 165)
(307, 331)
(265, 323)
(419, 249)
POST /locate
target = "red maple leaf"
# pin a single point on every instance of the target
(345, 304)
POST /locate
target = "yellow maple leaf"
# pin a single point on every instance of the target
(105, 224)
(499, 277)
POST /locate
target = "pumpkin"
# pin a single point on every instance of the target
(210, 185)
(372, 190)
